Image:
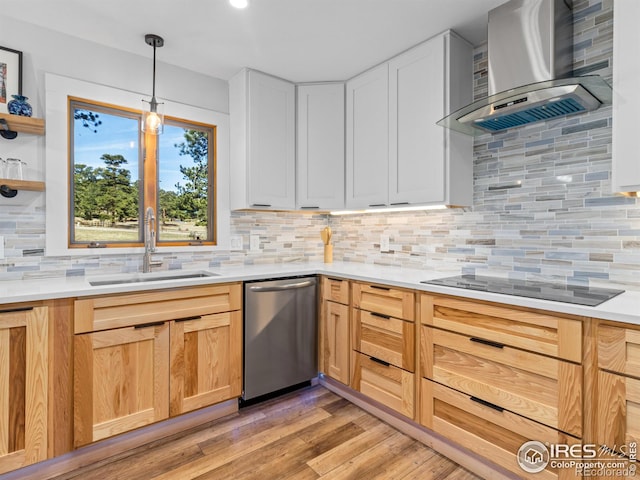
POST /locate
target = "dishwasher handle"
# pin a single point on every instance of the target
(279, 288)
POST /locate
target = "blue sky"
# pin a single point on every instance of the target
(119, 136)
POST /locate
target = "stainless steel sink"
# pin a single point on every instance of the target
(149, 277)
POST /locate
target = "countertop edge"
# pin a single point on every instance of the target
(619, 309)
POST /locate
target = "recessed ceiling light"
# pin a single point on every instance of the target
(239, 3)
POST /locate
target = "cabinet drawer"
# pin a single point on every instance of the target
(619, 350)
(389, 385)
(107, 312)
(385, 300)
(618, 411)
(385, 338)
(335, 290)
(490, 432)
(542, 388)
(547, 334)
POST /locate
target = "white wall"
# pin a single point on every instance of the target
(45, 50)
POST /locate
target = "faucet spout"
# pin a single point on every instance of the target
(149, 240)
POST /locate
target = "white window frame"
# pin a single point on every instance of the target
(57, 91)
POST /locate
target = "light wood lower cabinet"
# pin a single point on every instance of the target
(121, 381)
(24, 368)
(487, 430)
(384, 383)
(618, 411)
(206, 361)
(129, 377)
(495, 377)
(541, 388)
(385, 338)
(335, 348)
(618, 387)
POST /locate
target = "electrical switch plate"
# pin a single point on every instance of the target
(384, 243)
(1, 247)
(254, 242)
(236, 242)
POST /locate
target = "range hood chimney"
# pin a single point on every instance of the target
(530, 45)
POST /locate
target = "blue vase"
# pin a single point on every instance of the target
(19, 106)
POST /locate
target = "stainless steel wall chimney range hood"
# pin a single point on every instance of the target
(530, 45)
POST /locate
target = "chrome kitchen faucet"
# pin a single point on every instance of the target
(149, 241)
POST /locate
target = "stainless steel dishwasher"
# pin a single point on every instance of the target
(280, 334)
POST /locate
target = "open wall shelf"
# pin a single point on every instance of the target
(22, 124)
(9, 188)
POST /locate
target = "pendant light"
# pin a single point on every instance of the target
(152, 121)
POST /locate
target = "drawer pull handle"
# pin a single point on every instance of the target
(380, 315)
(487, 342)
(381, 362)
(186, 319)
(486, 404)
(380, 288)
(145, 325)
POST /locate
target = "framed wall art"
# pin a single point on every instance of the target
(10, 76)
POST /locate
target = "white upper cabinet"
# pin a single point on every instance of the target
(320, 146)
(262, 111)
(367, 133)
(396, 154)
(626, 97)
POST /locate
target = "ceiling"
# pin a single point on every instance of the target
(299, 40)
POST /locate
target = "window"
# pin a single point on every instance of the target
(117, 173)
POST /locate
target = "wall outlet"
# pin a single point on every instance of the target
(254, 242)
(236, 242)
(384, 243)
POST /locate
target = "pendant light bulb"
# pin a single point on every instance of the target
(239, 3)
(152, 121)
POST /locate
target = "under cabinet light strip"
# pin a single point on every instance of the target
(393, 209)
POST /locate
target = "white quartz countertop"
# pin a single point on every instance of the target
(623, 308)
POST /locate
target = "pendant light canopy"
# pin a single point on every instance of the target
(152, 121)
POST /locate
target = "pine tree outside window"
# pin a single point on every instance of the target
(117, 172)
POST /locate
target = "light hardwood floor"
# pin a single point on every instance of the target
(308, 434)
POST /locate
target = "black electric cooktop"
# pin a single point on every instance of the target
(589, 296)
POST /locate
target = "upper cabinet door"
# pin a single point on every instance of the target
(429, 164)
(625, 173)
(416, 143)
(271, 141)
(320, 126)
(367, 134)
(262, 130)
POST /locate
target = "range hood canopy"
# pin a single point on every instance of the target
(530, 103)
(530, 45)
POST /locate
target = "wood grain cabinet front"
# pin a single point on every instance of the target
(334, 329)
(492, 432)
(206, 361)
(496, 376)
(121, 381)
(24, 370)
(618, 388)
(383, 342)
(384, 383)
(190, 357)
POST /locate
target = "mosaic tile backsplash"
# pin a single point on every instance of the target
(542, 207)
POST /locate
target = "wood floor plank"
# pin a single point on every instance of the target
(332, 459)
(438, 468)
(461, 474)
(305, 435)
(215, 457)
(406, 462)
(368, 462)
